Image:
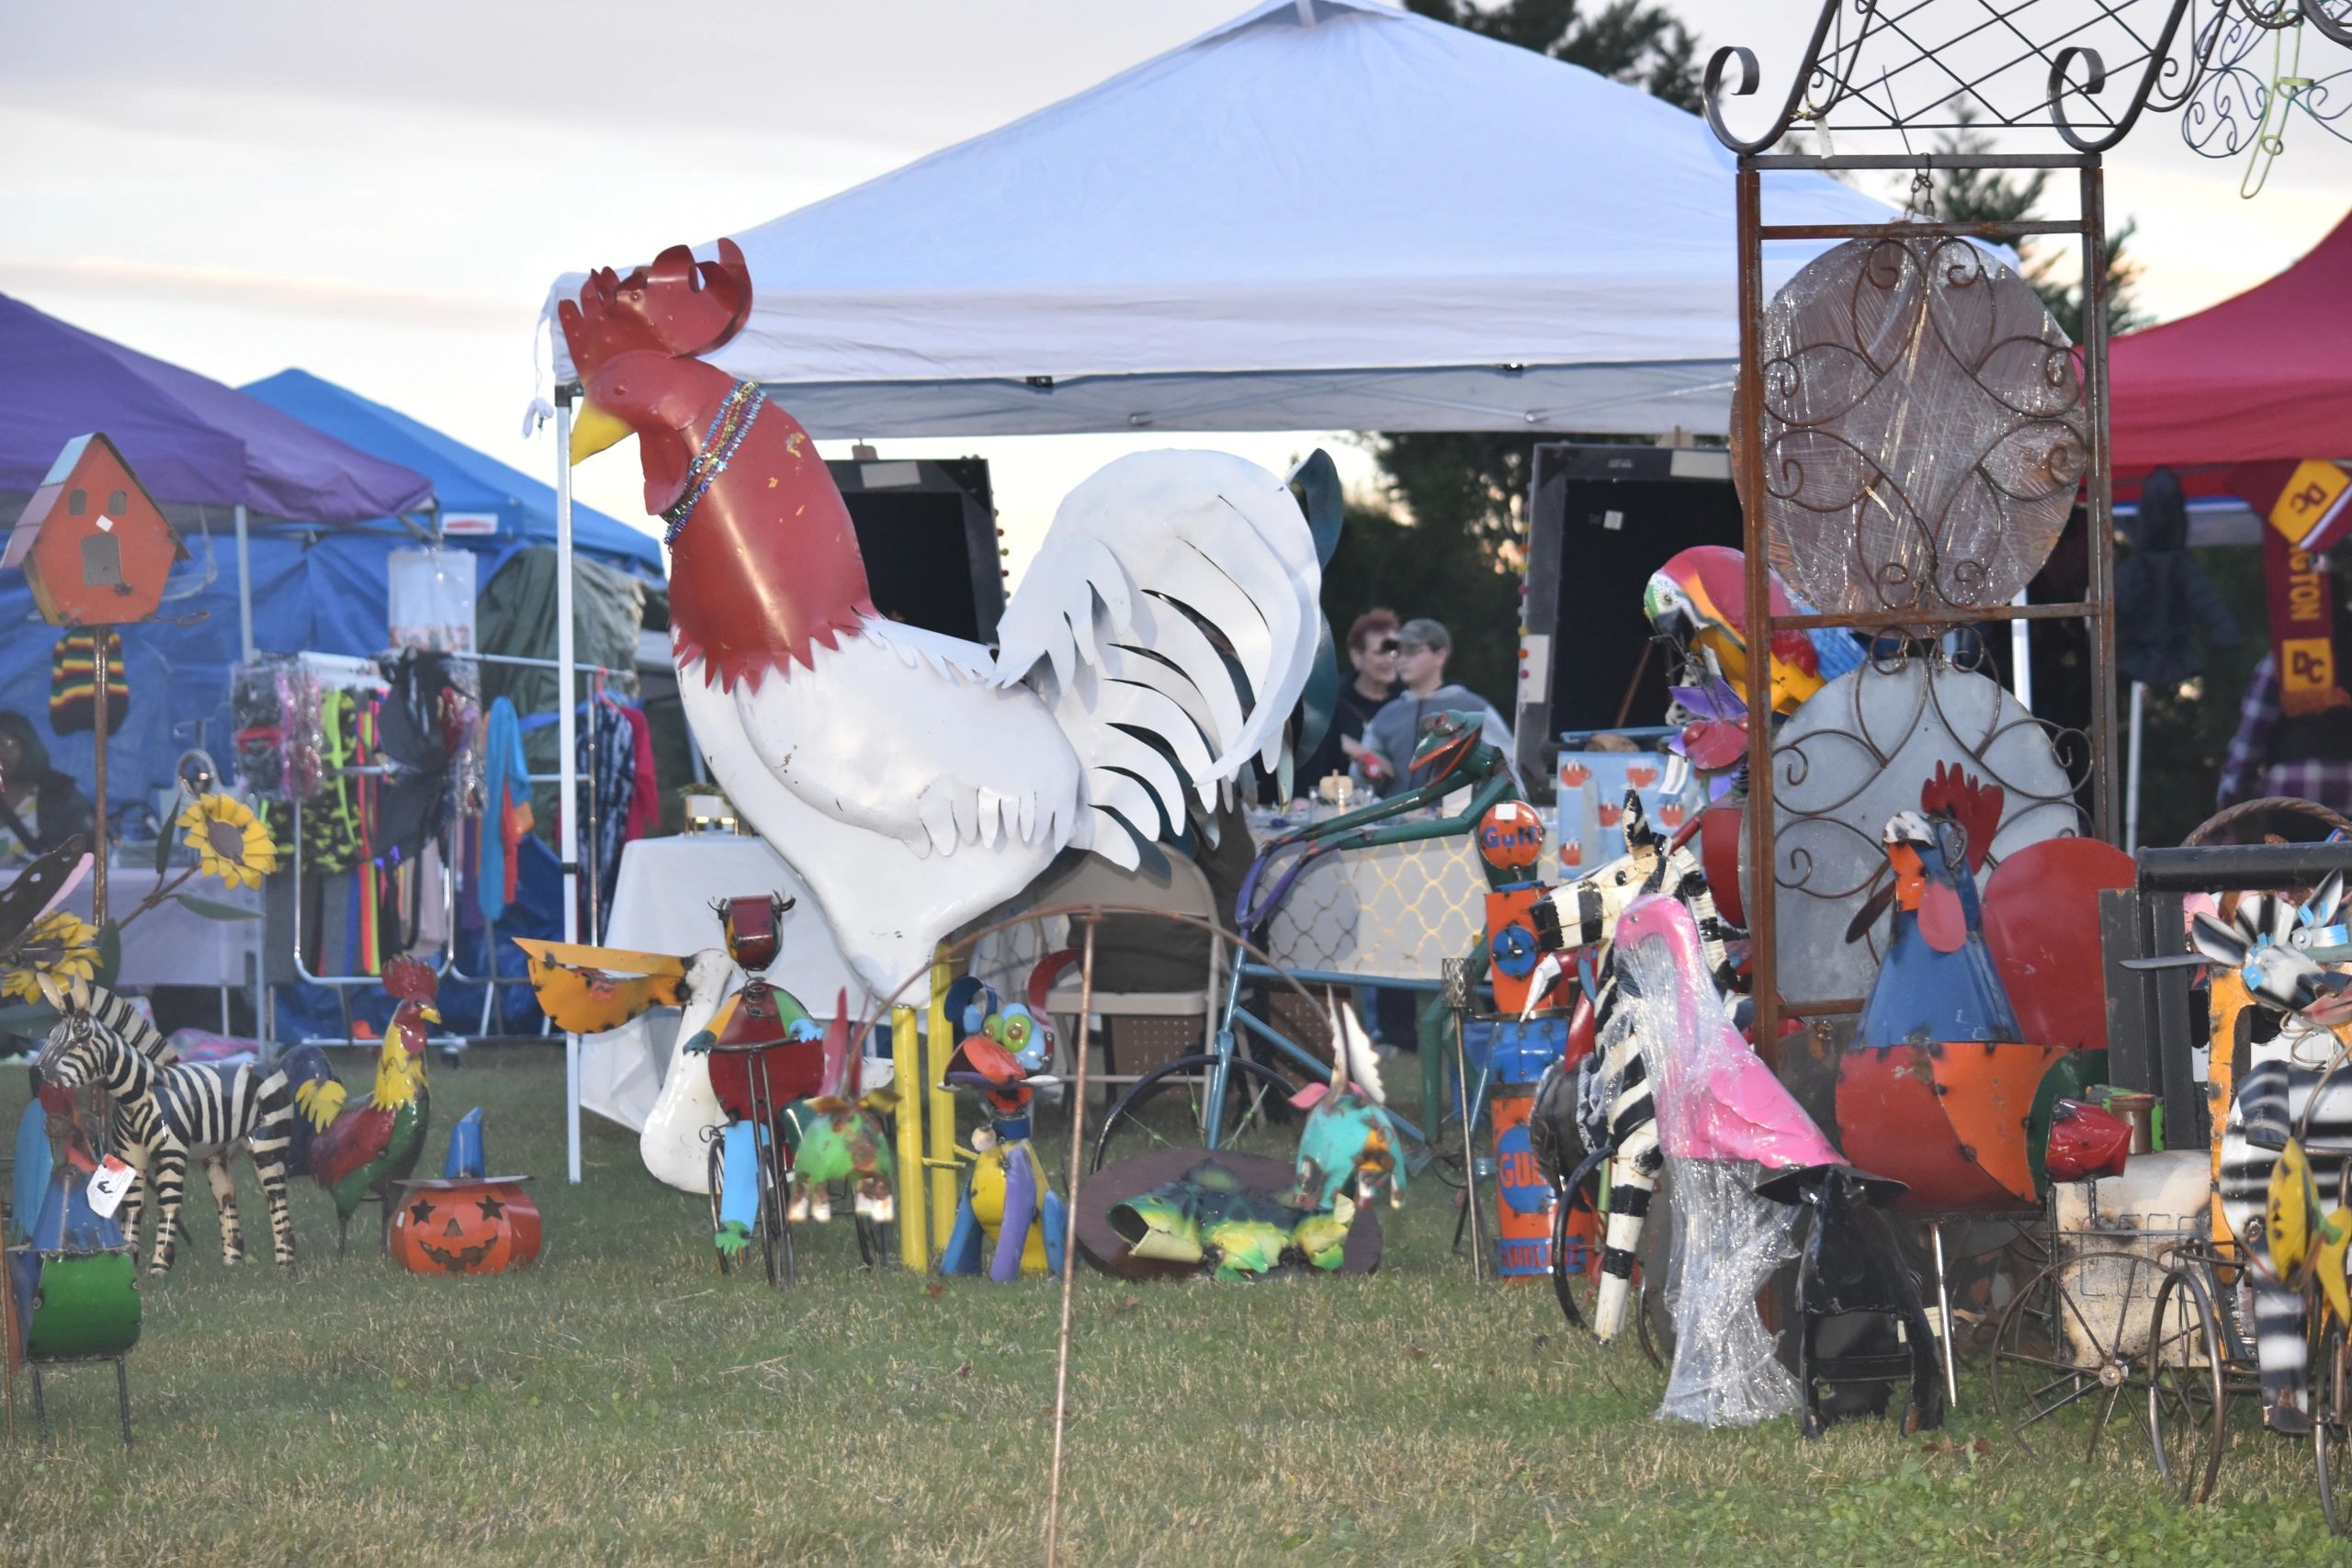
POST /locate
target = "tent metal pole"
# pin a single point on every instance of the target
(261, 942)
(568, 830)
(245, 589)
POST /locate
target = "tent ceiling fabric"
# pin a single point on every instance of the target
(1352, 221)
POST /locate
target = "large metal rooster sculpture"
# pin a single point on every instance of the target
(1159, 640)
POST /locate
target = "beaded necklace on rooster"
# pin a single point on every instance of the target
(1157, 643)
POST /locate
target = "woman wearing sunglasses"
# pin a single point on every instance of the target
(1372, 650)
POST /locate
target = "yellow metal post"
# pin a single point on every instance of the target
(906, 1061)
(939, 1112)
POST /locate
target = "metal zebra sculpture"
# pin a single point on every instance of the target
(1602, 1104)
(166, 1114)
(2281, 1091)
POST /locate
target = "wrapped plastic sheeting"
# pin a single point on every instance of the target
(1923, 428)
(1727, 1242)
(1724, 1122)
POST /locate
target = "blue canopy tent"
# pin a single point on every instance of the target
(514, 510)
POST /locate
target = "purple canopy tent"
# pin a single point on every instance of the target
(192, 441)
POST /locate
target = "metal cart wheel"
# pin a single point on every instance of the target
(2189, 1399)
(1168, 1107)
(2331, 1439)
(2068, 1342)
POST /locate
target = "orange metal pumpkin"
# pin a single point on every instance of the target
(474, 1225)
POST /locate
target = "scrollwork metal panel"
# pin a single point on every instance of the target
(1923, 428)
(2086, 69)
(1860, 752)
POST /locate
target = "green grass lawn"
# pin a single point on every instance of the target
(624, 1404)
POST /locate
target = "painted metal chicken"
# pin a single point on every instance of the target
(1937, 1086)
(1349, 1145)
(362, 1149)
(840, 1136)
(1158, 641)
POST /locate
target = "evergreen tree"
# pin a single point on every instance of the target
(2015, 195)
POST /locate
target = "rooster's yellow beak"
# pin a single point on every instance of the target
(593, 430)
(430, 1015)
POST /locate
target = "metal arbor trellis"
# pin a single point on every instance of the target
(1878, 74)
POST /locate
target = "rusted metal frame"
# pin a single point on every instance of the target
(1826, 161)
(1904, 620)
(1747, 416)
(2105, 807)
(1915, 230)
(1845, 1007)
(2097, 610)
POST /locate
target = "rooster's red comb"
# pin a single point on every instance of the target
(678, 305)
(410, 979)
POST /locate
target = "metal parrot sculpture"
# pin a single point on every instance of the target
(1008, 1222)
(1699, 599)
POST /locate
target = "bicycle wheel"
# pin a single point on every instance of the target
(1577, 1224)
(2330, 1440)
(718, 1184)
(2067, 1343)
(775, 1220)
(2187, 1401)
(1168, 1107)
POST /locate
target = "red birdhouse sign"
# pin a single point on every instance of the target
(95, 549)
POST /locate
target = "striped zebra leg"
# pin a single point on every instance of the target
(225, 1193)
(1632, 1174)
(2282, 1346)
(133, 1198)
(270, 1144)
(168, 1169)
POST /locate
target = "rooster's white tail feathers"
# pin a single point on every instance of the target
(1175, 597)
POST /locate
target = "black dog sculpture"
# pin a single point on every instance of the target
(1851, 1264)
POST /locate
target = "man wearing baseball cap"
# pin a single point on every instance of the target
(1422, 647)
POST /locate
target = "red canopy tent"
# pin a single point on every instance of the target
(2263, 377)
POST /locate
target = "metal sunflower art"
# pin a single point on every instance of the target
(62, 946)
(231, 842)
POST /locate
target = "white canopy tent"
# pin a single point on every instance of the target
(1325, 214)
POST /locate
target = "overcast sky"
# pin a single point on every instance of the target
(382, 193)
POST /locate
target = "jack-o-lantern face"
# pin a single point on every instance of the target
(465, 1227)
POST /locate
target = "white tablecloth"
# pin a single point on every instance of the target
(662, 903)
(170, 946)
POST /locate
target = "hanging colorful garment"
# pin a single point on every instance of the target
(73, 683)
(506, 788)
(645, 799)
(330, 822)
